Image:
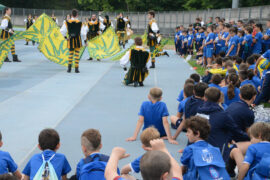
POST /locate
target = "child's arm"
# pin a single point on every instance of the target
(230, 50)
(180, 128)
(25, 177)
(111, 168)
(18, 174)
(64, 177)
(126, 169)
(137, 130)
(243, 171)
(167, 130)
(238, 48)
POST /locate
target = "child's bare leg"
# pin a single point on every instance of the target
(243, 146)
(174, 119)
(237, 156)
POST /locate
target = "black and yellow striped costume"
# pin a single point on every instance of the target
(29, 23)
(93, 29)
(138, 71)
(54, 19)
(151, 40)
(121, 30)
(5, 34)
(107, 24)
(74, 40)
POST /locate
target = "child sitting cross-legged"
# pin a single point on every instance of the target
(200, 156)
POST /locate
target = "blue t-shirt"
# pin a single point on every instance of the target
(214, 85)
(185, 40)
(7, 165)
(153, 114)
(257, 48)
(199, 37)
(228, 101)
(211, 36)
(135, 165)
(181, 96)
(240, 40)
(181, 107)
(190, 39)
(59, 162)
(120, 178)
(248, 39)
(221, 41)
(233, 41)
(255, 152)
(247, 81)
(268, 34)
(266, 55)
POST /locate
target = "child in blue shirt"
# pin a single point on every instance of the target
(91, 145)
(240, 35)
(147, 135)
(245, 77)
(176, 120)
(184, 43)
(233, 42)
(154, 113)
(260, 137)
(199, 38)
(231, 92)
(224, 37)
(176, 38)
(247, 42)
(257, 48)
(266, 38)
(7, 164)
(190, 42)
(215, 81)
(209, 44)
(49, 143)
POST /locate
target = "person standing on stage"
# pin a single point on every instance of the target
(121, 29)
(7, 32)
(73, 27)
(29, 22)
(152, 30)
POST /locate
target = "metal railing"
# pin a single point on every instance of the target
(167, 20)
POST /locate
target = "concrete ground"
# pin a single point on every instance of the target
(37, 94)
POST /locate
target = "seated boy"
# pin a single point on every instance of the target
(155, 164)
(139, 60)
(48, 143)
(147, 135)
(215, 81)
(192, 105)
(7, 165)
(91, 145)
(198, 129)
(154, 113)
(196, 77)
(260, 139)
(176, 120)
(181, 95)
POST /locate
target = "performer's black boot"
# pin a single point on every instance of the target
(90, 59)
(77, 70)
(141, 84)
(153, 65)
(7, 60)
(135, 84)
(166, 53)
(69, 68)
(26, 43)
(124, 46)
(15, 58)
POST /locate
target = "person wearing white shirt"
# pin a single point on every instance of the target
(29, 22)
(7, 32)
(73, 27)
(139, 60)
(54, 18)
(152, 30)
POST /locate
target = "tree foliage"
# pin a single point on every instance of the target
(130, 5)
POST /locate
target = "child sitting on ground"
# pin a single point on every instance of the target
(91, 145)
(256, 153)
(147, 135)
(154, 113)
(155, 164)
(7, 164)
(48, 143)
(215, 81)
(200, 151)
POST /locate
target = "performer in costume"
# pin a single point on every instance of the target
(121, 29)
(54, 19)
(29, 22)
(139, 60)
(152, 31)
(73, 27)
(129, 32)
(66, 18)
(93, 29)
(107, 23)
(159, 48)
(7, 32)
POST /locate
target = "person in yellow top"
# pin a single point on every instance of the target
(152, 30)
(7, 32)
(29, 22)
(73, 27)
(139, 64)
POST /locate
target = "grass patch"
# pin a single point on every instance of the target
(266, 105)
(198, 68)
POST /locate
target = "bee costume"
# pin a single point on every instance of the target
(73, 27)
(139, 60)
(121, 30)
(7, 32)
(152, 30)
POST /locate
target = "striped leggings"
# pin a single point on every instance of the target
(13, 49)
(76, 54)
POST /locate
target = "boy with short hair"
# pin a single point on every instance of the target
(49, 143)
(147, 135)
(198, 129)
(154, 113)
(91, 145)
(167, 167)
(7, 164)
(215, 81)
(260, 137)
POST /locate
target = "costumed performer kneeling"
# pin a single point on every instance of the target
(140, 62)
